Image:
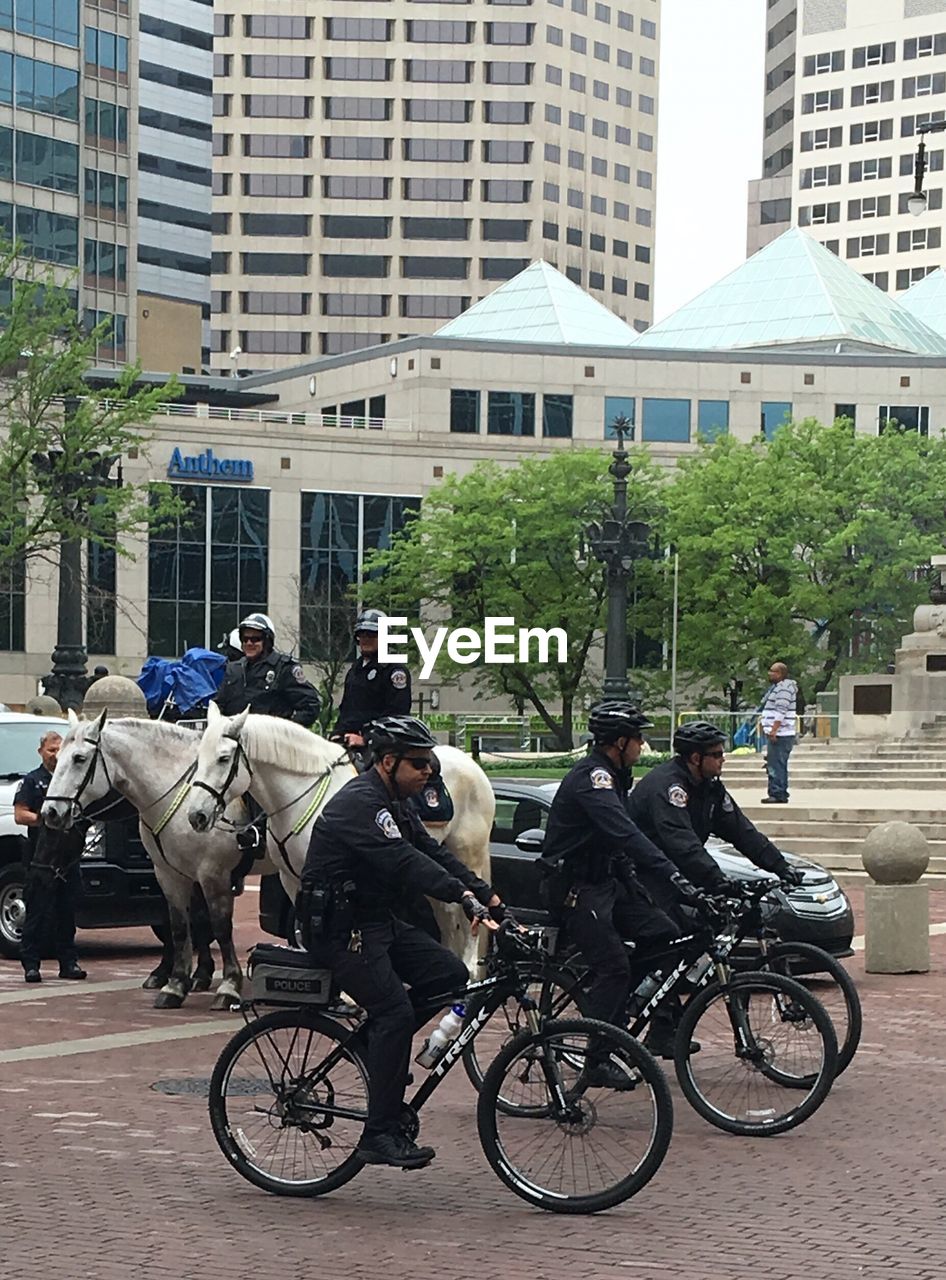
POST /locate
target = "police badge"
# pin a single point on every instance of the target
(387, 824)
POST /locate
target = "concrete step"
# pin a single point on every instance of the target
(793, 828)
(828, 848)
(766, 815)
(839, 862)
(798, 783)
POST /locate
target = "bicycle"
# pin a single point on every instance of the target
(288, 1094)
(759, 1032)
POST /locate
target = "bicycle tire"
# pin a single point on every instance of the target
(589, 1108)
(270, 1045)
(816, 963)
(570, 998)
(762, 1113)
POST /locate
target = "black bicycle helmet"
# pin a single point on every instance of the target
(398, 734)
(697, 735)
(608, 721)
(367, 620)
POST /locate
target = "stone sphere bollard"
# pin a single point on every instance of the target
(43, 705)
(896, 907)
(121, 695)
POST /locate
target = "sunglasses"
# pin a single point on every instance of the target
(717, 755)
(418, 762)
(252, 640)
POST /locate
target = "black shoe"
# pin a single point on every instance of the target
(662, 1046)
(72, 971)
(608, 1075)
(774, 800)
(394, 1149)
(32, 975)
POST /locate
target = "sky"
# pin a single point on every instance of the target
(709, 141)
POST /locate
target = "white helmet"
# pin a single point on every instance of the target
(257, 622)
(233, 640)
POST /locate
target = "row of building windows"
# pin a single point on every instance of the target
(53, 20)
(511, 413)
(875, 55)
(38, 161)
(817, 214)
(287, 27)
(51, 237)
(864, 95)
(105, 265)
(868, 131)
(876, 167)
(39, 86)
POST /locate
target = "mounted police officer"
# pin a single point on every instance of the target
(600, 851)
(680, 803)
(270, 683)
(372, 689)
(367, 848)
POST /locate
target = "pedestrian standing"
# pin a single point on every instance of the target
(778, 725)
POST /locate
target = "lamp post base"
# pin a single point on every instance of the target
(68, 680)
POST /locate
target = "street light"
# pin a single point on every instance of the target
(68, 681)
(916, 201)
(617, 542)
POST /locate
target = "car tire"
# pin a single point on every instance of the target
(12, 908)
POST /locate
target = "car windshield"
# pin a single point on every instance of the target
(19, 746)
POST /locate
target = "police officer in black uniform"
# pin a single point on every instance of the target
(270, 683)
(600, 851)
(52, 878)
(372, 689)
(678, 804)
(367, 846)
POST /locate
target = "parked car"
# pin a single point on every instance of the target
(118, 888)
(818, 911)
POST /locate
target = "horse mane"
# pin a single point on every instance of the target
(284, 744)
(173, 732)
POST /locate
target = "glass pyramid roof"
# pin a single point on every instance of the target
(794, 292)
(540, 305)
(927, 301)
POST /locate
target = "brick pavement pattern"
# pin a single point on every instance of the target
(104, 1178)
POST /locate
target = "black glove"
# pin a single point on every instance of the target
(472, 909)
(687, 891)
(499, 912)
(792, 875)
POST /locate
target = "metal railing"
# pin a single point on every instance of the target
(745, 727)
(280, 417)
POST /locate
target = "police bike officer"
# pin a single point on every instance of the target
(678, 804)
(600, 851)
(366, 848)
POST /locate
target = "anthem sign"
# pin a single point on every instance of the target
(207, 466)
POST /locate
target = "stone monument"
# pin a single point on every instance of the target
(896, 907)
(120, 695)
(898, 704)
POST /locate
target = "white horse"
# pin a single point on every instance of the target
(149, 763)
(292, 772)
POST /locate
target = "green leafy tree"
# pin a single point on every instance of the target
(504, 542)
(809, 548)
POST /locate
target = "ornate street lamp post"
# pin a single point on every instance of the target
(916, 201)
(617, 542)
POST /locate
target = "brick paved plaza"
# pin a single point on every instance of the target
(104, 1176)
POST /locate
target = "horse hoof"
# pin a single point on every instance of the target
(201, 981)
(155, 981)
(168, 1000)
(224, 1003)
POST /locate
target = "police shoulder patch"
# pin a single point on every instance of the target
(601, 779)
(298, 674)
(387, 824)
(677, 796)
(727, 803)
(399, 678)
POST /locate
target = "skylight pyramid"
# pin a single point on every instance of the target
(794, 294)
(540, 305)
(927, 301)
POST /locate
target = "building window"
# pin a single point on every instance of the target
(502, 268)
(269, 303)
(438, 71)
(510, 413)
(873, 55)
(509, 73)
(845, 411)
(465, 412)
(775, 413)
(506, 191)
(505, 229)
(355, 187)
(434, 268)
(13, 605)
(502, 151)
(355, 265)
(210, 567)
(902, 417)
(557, 416)
(55, 20)
(866, 95)
(437, 31)
(665, 420)
(356, 148)
(277, 145)
(619, 410)
(912, 275)
(275, 264)
(918, 238)
(509, 112)
(517, 33)
(438, 110)
(438, 189)
(279, 66)
(356, 68)
(106, 55)
(712, 418)
(437, 150)
(820, 64)
(432, 306)
(366, 28)
(435, 228)
(337, 532)
(106, 125)
(823, 100)
(277, 26)
(105, 265)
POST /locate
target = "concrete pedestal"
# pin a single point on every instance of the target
(896, 928)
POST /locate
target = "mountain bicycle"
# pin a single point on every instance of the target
(289, 1093)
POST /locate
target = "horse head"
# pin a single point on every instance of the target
(223, 771)
(81, 774)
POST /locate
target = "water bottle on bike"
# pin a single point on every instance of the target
(441, 1037)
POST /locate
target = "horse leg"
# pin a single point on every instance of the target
(160, 974)
(175, 991)
(201, 935)
(219, 898)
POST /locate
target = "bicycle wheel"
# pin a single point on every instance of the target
(830, 983)
(757, 1033)
(556, 992)
(567, 1144)
(288, 1104)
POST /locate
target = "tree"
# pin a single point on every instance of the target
(326, 622)
(504, 542)
(58, 434)
(808, 549)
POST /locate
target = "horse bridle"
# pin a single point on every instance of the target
(97, 754)
(219, 793)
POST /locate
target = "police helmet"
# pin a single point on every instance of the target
(367, 620)
(397, 735)
(697, 735)
(608, 721)
(257, 622)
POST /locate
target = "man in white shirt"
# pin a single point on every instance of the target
(778, 725)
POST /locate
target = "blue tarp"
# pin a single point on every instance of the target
(189, 682)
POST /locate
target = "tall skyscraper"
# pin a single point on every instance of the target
(848, 84)
(379, 166)
(66, 179)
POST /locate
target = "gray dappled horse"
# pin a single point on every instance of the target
(149, 763)
(292, 772)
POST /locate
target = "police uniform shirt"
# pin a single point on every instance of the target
(589, 827)
(365, 836)
(31, 793)
(679, 813)
(272, 685)
(373, 689)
